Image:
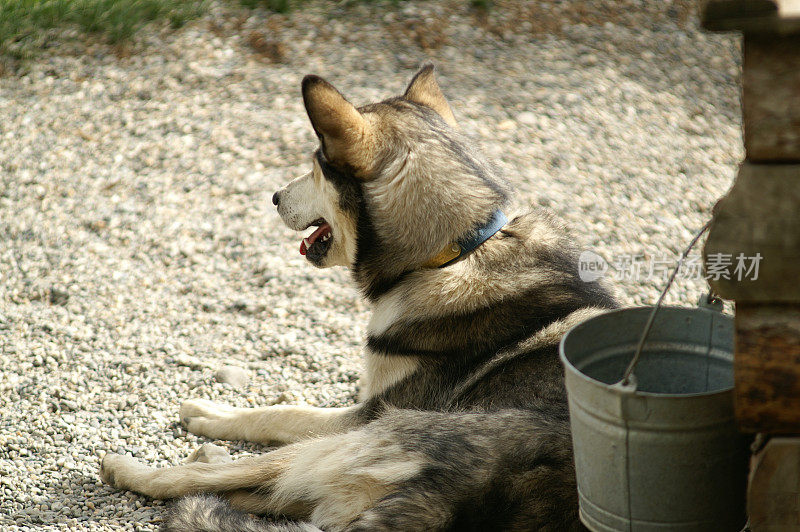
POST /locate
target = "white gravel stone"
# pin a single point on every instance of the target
(209, 453)
(233, 375)
(140, 251)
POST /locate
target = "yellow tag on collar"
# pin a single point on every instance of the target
(475, 238)
(450, 252)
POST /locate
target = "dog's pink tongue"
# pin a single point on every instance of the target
(321, 230)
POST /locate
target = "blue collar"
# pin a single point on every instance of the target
(455, 250)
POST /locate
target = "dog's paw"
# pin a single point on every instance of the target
(205, 418)
(118, 470)
(107, 469)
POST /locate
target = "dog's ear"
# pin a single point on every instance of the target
(424, 90)
(342, 130)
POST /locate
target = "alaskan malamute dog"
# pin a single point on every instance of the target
(462, 422)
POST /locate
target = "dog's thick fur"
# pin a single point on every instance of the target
(462, 422)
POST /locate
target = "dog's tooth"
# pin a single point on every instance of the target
(307, 243)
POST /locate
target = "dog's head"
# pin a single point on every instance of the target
(392, 183)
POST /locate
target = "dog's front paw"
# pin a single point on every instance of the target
(206, 418)
(121, 471)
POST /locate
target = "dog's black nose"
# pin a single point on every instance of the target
(276, 198)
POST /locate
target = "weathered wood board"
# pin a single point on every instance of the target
(759, 219)
(771, 97)
(767, 368)
(773, 499)
(775, 17)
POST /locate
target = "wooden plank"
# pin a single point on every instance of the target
(771, 98)
(773, 498)
(721, 10)
(776, 17)
(759, 221)
(767, 368)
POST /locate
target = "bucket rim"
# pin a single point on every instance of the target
(570, 367)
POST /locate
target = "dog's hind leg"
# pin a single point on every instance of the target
(407, 470)
(247, 473)
(328, 481)
(270, 424)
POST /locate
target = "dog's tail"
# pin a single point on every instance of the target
(208, 513)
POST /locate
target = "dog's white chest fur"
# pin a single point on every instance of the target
(382, 371)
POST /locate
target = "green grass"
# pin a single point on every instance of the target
(279, 6)
(481, 4)
(25, 24)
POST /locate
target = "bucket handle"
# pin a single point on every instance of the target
(625, 382)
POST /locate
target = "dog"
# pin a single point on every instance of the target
(462, 420)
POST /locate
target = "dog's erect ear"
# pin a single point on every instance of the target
(424, 90)
(338, 124)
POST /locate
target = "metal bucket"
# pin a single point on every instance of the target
(662, 452)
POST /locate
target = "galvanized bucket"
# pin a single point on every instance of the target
(660, 453)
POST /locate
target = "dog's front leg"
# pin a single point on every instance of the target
(270, 424)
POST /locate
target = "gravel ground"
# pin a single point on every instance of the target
(140, 252)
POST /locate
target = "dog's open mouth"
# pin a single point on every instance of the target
(316, 245)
